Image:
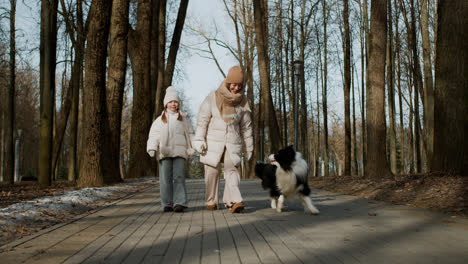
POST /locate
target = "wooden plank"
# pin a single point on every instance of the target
(227, 247)
(97, 249)
(243, 245)
(210, 245)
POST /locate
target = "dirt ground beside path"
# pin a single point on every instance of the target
(33, 208)
(439, 193)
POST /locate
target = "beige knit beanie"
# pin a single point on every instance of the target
(235, 75)
(171, 95)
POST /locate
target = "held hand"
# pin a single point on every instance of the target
(200, 146)
(152, 153)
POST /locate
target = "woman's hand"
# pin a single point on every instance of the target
(200, 146)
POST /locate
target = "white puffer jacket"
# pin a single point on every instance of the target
(218, 135)
(171, 139)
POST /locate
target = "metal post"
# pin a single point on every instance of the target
(17, 155)
(297, 72)
(261, 144)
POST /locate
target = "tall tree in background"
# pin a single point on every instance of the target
(93, 161)
(116, 80)
(428, 84)
(324, 90)
(161, 55)
(139, 47)
(347, 84)
(451, 92)
(263, 65)
(9, 122)
(391, 91)
(77, 33)
(166, 70)
(48, 48)
(375, 105)
(175, 43)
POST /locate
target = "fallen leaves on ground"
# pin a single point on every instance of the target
(448, 194)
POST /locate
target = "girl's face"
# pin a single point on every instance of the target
(173, 106)
(235, 88)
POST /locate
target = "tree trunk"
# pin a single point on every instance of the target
(77, 75)
(375, 106)
(391, 91)
(429, 86)
(410, 126)
(355, 165)
(402, 145)
(171, 59)
(324, 90)
(48, 48)
(451, 92)
(140, 54)
(94, 159)
(365, 88)
(263, 65)
(160, 89)
(303, 136)
(116, 81)
(154, 51)
(347, 84)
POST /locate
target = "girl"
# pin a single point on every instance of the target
(223, 123)
(170, 141)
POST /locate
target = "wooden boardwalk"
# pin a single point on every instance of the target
(348, 230)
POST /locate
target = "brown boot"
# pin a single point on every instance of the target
(237, 208)
(212, 207)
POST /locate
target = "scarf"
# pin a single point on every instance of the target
(227, 103)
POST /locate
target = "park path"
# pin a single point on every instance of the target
(348, 230)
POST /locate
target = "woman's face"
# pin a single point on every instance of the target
(173, 106)
(235, 88)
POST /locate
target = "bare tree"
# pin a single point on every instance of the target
(375, 105)
(47, 86)
(94, 159)
(324, 89)
(267, 102)
(391, 90)
(139, 47)
(77, 33)
(347, 84)
(451, 93)
(428, 85)
(116, 80)
(161, 51)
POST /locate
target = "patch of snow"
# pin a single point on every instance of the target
(40, 213)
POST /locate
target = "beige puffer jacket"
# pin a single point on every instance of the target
(171, 139)
(218, 135)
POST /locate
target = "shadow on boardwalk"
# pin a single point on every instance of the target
(348, 230)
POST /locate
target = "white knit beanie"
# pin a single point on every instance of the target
(171, 95)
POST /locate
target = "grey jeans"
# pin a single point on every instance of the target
(172, 182)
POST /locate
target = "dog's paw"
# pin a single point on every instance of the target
(313, 211)
(273, 204)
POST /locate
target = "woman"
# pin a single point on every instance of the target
(223, 122)
(170, 137)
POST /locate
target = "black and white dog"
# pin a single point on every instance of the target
(286, 178)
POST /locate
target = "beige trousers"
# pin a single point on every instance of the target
(232, 193)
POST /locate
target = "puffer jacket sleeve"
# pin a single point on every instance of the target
(190, 131)
(246, 130)
(154, 136)
(203, 119)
